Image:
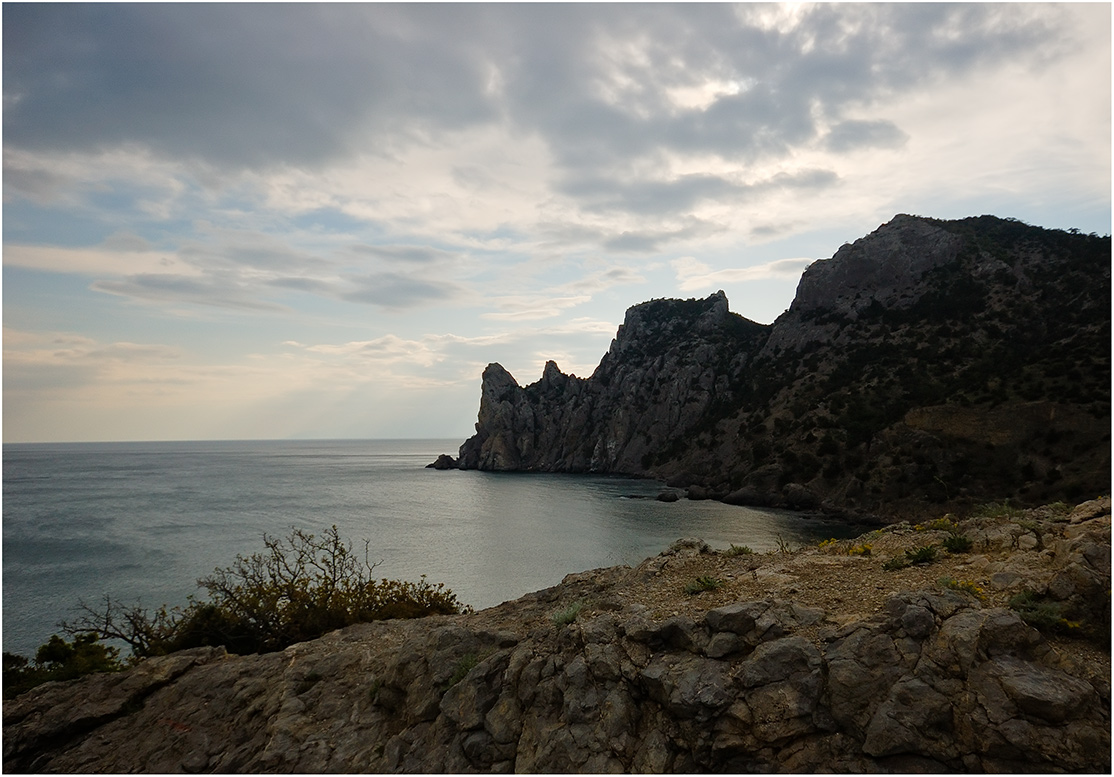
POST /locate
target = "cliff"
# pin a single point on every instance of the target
(848, 657)
(930, 364)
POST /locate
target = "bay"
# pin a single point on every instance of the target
(143, 521)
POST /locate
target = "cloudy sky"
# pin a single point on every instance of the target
(271, 221)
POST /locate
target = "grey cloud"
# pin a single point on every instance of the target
(236, 84)
(126, 241)
(237, 249)
(650, 241)
(405, 253)
(208, 291)
(301, 283)
(252, 85)
(397, 291)
(649, 197)
(853, 135)
(684, 194)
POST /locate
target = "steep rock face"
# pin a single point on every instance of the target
(930, 680)
(930, 362)
(670, 364)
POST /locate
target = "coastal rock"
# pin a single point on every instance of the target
(927, 679)
(881, 390)
(444, 461)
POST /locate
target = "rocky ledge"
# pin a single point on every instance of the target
(855, 656)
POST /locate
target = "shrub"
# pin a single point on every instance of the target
(58, 660)
(300, 588)
(1044, 616)
(738, 550)
(703, 583)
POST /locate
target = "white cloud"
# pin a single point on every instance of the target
(693, 275)
(95, 261)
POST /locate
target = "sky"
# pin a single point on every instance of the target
(226, 221)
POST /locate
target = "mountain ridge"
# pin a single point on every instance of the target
(928, 364)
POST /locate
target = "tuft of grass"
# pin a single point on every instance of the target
(464, 665)
(738, 550)
(997, 510)
(957, 543)
(702, 584)
(923, 555)
(783, 545)
(568, 615)
(1045, 616)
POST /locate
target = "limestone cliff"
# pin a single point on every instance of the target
(930, 362)
(824, 659)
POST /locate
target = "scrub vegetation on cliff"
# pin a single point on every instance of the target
(301, 587)
(929, 365)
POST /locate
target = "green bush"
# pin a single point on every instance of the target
(922, 555)
(298, 589)
(1045, 616)
(738, 550)
(703, 583)
(58, 660)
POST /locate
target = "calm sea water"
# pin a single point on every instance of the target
(143, 521)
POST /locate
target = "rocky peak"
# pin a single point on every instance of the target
(885, 266)
(652, 326)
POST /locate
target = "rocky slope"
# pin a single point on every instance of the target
(942, 363)
(826, 658)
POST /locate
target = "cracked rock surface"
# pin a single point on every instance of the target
(777, 669)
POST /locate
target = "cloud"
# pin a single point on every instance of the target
(215, 291)
(93, 261)
(693, 275)
(397, 291)
(533, 308)
(603, 85)
(853, 135)
(409, 254)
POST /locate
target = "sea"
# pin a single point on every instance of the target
(141, 522)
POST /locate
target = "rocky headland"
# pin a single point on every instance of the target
(859, 655)
(929, 365)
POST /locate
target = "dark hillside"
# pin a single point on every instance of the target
(928, 363)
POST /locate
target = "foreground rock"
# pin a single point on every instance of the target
(820, 659)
